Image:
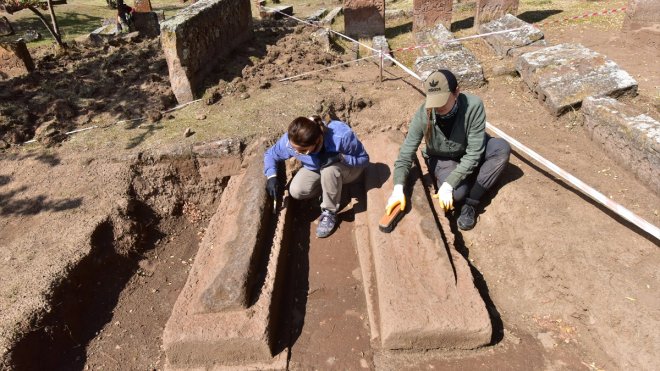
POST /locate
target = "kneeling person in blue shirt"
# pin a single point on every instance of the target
(331, 156)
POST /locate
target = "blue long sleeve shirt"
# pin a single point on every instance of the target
(338, 138)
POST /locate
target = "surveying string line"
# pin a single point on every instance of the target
(327, 68)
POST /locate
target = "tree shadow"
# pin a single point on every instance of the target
(149, 131)
(533, 16)
(71, 24)
(11, 205)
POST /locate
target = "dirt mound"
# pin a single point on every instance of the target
(85, 85)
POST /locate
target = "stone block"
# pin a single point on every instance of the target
(317, 15)
(5, 27)
(504, 43)
(322, 38)
(629, 136)
(146, 24)
(642, 14)
(197, 36)
(380, 43)
(563, 75)
(15, 60)
(243, 241)
(142, 6)
(420, 290)
(241, 338)
(443, 52)
(276, 12)
(488, 10)
(429, 13)
(330, 17)
(364, 18)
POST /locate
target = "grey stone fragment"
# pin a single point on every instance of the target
(218, 148)
(5, 27)
(234, 286)
(31, 35)
(504, 43)
(630, 137)
(317, 15)
(330, 17)
(380, 43)
(322, 38)
(563, 75)
(446, 53)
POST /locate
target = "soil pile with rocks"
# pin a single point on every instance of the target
(84, 85)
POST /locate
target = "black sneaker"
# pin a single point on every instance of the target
(468, 218)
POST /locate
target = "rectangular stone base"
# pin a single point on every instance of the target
(194, 337)
(420, 291)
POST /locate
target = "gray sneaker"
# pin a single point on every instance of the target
(468, 218)
(327, 222)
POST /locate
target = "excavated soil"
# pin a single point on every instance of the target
(554, 266)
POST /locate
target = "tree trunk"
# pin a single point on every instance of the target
(56, 28)
(56, 35)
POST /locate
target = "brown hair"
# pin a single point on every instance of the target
(428, 133)
(305, 132)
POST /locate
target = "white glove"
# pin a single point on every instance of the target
(397, 198)
(446, 196)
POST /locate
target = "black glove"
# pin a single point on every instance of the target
(327, 159)
(273, 187)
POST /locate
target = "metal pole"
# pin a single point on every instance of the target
(381, 63)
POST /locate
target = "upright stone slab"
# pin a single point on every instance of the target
(142, 6)
(429, 13)
(197, 36)
(420, 291)
(488, 10)
(642, 14)
(505, 43)
(563, 75)
(629, 136)
(243, 337)
(146, 23)
(364, 18)
(444, 52)
(5, 27)
(15, 60)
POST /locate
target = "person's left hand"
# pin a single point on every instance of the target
(327, 159)
(445, 196)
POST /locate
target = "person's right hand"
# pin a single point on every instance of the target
(273, 187)
(397, 198)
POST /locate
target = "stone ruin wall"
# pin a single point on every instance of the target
(197, 36)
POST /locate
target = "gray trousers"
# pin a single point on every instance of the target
(307, 184)
(492, 163)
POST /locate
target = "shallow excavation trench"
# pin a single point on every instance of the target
(110, 309)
